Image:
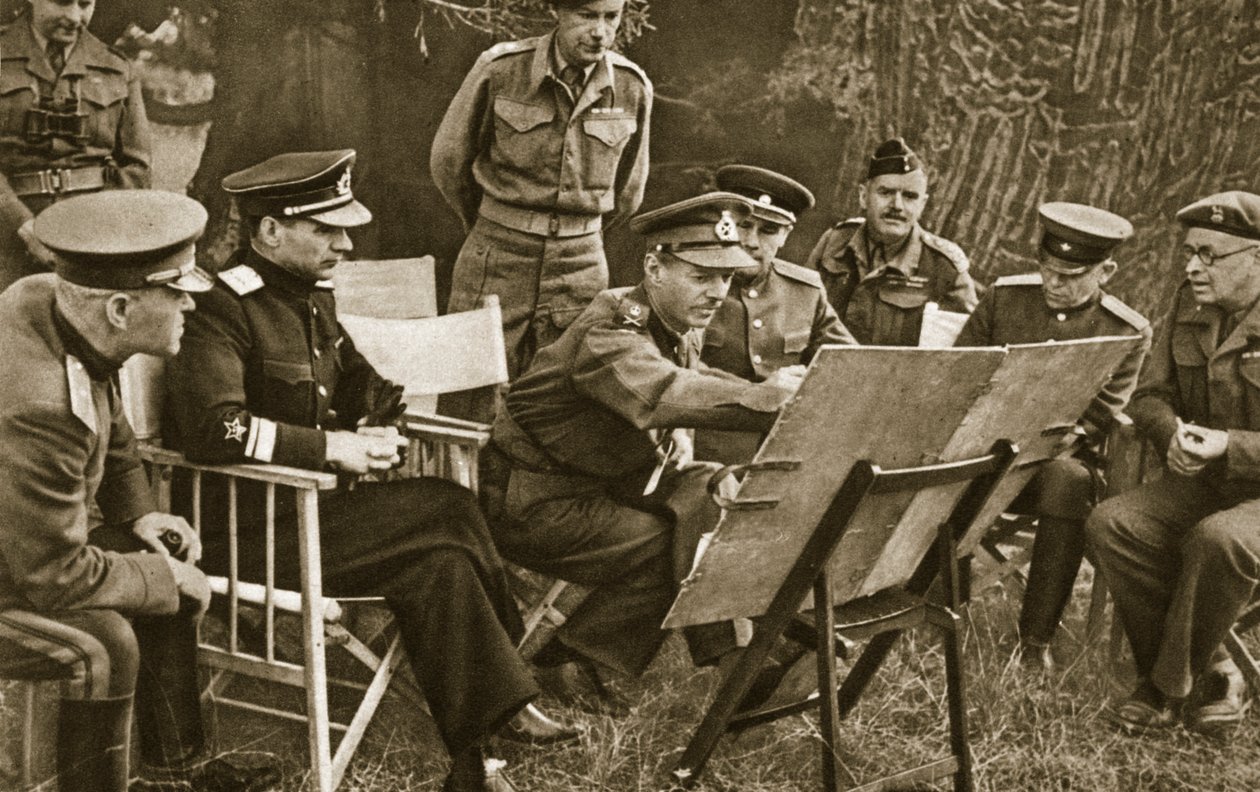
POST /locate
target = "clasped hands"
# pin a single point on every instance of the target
(1192, 447)
(368, 448)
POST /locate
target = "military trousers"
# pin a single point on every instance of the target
(1182, 560)
(98, 654)
(631, 549)
(543, 283)
(421, 544)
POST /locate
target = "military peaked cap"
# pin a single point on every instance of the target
(1077, 236)
(893, 156)
(774, 197)
(703, 231)
(1234, 212)
(310, 184)
(126, 239)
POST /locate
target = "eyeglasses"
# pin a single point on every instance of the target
(1208, 256)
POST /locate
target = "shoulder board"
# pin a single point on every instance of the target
(950, 250)
(99, 55)
(1027, 279)
(852, 222)
(1123, 312)
(631, 313)
(798, 273)
(241, 279)
(504, 48)
(80, 385)
(619, 60)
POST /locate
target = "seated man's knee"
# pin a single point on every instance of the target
(1066, 489)
(111, 658)
(1221, 539)
(1102, 523)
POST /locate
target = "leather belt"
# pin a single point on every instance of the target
(532, 221)
(56, 181)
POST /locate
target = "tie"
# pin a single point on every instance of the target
(573, 77)
(56, 57)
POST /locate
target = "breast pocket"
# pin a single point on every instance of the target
(288, 388)
(1249, 371)
(520, 130)
(795, 341)
(1191, 365)
(17, 95)
(104, 99)
(606, 137)
(898, 314)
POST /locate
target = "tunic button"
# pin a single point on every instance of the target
(757, 359)
(1062, 317)
(316, 353)
(752, 293)
(323, 391)
(757, 323)
(314, 311)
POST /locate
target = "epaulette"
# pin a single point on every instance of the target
(1124, 313)
(617, 59)
(510, 48)
(80, 385)
(1027, 279)
(948, 249)
(852, 222)
(241, 279)
(798, 273)
(631, 314)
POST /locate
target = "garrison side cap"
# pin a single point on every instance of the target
(310, 184)
(703, 230)
(893, 156)
(126, 239)
(774, 197)
(1076, 237)
(1234, 212)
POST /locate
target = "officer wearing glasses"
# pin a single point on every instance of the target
(1182, 554)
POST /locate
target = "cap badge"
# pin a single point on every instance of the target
(1218, 214)
(343, 184)
(765, 199)
(726, 229)
(1065, 246)
(235, 430)
(635, 310)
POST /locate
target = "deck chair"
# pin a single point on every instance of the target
(440, 447)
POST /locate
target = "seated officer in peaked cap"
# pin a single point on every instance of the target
(267, 374)
(775, 315)
(601, 490)
(1063, 301)
(89, 593)
(1181, 553)
(882, 268)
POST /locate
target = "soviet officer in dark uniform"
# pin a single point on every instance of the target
(776, 315)
(882, 268)
(90, 594)
(267, 373)
(71, 121)
(1182, 553)
(601, 490)
(545, 142)
(1062, 302)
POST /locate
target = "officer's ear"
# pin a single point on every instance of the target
(1106, 270)
(653, 267)
(862, 194)
(118, 310)
(269, 231)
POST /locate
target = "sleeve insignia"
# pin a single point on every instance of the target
(235, 430)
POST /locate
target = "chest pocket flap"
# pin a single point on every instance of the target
(795, 341)
(1249, 370)
(103, 88)
(1186, 350)
(714, 337)
(902, 297)
(13, 78)
(290, 371)
(521, 116)
(610, 131)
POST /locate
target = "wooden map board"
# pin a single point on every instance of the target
(897, 407)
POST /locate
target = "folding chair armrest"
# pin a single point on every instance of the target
(298, 478)
(284, 600)
(443, 429)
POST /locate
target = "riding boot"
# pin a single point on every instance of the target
(1058, 549)
(93, 744)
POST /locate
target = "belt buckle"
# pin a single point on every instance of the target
(62, 180)
(553, 224)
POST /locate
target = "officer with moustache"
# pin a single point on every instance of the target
(882, 268)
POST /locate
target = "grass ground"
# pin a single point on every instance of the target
(1027, 733)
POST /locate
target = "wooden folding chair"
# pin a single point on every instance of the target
(861, 503)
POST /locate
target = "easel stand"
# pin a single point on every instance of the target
(881, 617)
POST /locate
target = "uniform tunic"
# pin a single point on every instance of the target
(1182, 554)
(776, 321)
(580, 431)
(881, 300)
(117, 142)
(264, 368)
(533, 173)
(72, 485)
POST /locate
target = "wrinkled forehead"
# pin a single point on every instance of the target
(914, 181)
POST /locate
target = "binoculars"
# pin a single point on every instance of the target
(53, 118)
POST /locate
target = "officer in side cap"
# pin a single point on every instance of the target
(592, 442)
(775, 315)
(1179, 553)
(1064, 300)
(880, 269)
(268, 374)
(89, 591)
